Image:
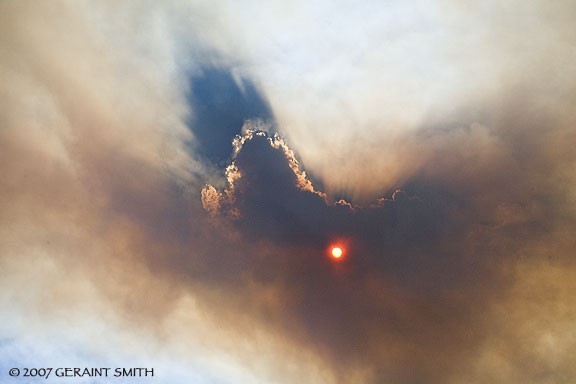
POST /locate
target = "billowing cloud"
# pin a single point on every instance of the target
(174, 175)
(422, 269)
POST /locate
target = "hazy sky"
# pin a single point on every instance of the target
(174, 174)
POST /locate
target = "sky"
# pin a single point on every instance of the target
(174, 175)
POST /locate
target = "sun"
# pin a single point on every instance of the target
(336, 252)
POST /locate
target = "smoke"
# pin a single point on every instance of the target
(174, 175)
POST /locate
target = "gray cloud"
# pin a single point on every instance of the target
(448, 127)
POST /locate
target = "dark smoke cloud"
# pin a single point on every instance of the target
(458, 230)
(421, 266)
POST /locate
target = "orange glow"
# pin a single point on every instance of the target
(336, 252)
